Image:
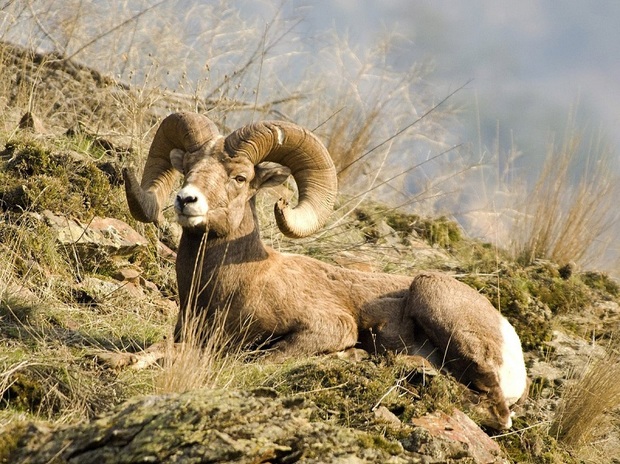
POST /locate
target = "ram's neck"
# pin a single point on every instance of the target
(204, 258)
(213, 250)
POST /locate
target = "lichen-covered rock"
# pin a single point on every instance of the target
(208, 426)
(201, 426)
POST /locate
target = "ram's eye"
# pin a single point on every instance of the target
(240, 179)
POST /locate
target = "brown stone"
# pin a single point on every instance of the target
(453, 436)
(106, 235)
(128, 274)
(31, 122)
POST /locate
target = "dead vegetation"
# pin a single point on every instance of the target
(60, 303)
(568, 214)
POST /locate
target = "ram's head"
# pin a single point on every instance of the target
(222, 173)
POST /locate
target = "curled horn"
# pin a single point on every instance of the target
(310, 164)
(185, 131)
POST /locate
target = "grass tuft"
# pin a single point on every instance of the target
(584, 412)
(569, 213)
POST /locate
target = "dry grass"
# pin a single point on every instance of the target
(204, 359)
(571, 210)
(209, 356)
(374, 119)
(585, 409)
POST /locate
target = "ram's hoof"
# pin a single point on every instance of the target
(115, 360)
(352, 354)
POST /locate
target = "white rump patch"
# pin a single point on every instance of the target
(512, 374)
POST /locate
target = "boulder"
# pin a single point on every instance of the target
(201, 426)
(446, 437)
(107, 236)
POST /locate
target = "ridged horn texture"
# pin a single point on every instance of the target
(185, 131)
(310, 164)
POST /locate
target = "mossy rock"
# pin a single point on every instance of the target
(201, 426)
(601, 283)
(441, 231)
(531, 296)
(347, 393)
(36, 178)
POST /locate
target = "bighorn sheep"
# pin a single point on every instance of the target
(303, 305)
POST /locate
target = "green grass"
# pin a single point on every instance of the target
(59, 306)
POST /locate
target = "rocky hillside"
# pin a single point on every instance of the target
(80, 278)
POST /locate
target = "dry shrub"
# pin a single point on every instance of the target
(571, 209)
(583, 412)
(204, 359)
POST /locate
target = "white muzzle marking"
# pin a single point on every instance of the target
(191, 206)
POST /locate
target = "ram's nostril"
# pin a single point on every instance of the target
(184, 200)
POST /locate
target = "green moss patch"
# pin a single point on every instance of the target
(36, 177)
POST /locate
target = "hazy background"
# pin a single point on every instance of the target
(527, 66)
(528, 61)
(522, 72)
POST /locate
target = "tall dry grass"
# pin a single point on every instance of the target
(208, 357)
(585, 408)
(570, 213)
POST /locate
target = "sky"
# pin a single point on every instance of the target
(527, 66)
(527, 63)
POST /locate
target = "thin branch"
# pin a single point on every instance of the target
(408, 126)
(115, 28)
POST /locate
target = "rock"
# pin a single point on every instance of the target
(31, 122)
(95, 292)
(445, 437)
(386, 416)
(100, 236)
(573, 353)
(351, 354)
(202, 426)
(14, 290)
(165, 252)
(128, 274)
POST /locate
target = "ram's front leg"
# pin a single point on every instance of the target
(384, 326)
(139, 360)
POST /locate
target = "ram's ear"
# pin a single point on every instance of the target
(176, 159)
(269, 175)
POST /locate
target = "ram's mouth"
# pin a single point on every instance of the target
(191, 220)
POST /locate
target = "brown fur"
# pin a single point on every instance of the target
(302, 306)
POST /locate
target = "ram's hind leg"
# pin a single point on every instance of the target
(327, 337)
